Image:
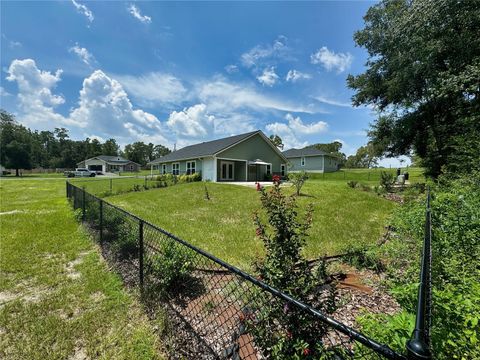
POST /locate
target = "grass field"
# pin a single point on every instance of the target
(223, 225)
(368, 176)
(58, 300)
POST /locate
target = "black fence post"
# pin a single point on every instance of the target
(66, 189)
(419, 346)
(145, 183)
(83, 204)
(110, 184)
(140, 252)
(101, 221)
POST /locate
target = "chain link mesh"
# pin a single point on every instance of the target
(215, 310)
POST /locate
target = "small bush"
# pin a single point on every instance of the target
(352, 184)
(171, 267)
(280, 329)
(125, 246)
(387, 180)
(298, 179)
(137, 187)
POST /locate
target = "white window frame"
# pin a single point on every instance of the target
(233, 170)
(283, 169)
(194, 168)
(302, 161)
(177, 171)
(164, 169)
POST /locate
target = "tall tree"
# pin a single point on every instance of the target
(138, 152)
(365, 157)
(277, 141)
(16, 142)
(160, 150)
(110, 147)
(423, 77)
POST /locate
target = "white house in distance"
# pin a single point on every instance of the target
(105, 163)
(310, 160)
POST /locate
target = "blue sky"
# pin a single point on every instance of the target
(181, 72)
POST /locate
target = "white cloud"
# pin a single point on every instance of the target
(222, 96)
(35, 98)
(295, 75)
(103, 107)
(192, 122)
(268, 77)
(331, 60)
(83, 54)
(154, 88)
(4, 92)
(83, 9)
(291, 131)
(231, 69)
(135, 11)
(260, 53)
(297, 125)
(333, 102)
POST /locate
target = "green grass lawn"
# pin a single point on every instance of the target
(223, 226)
(101, 186)
(58, 300)
(368, 176)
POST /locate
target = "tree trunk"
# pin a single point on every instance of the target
(16, 173)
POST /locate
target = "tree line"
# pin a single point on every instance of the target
(22, 148)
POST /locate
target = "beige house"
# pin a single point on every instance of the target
(106, 163)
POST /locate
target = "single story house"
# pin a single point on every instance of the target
(311, 160)
(245, 157)
(105, 163)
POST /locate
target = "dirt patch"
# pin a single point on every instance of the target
(79, 354)
(70, 266)
(7, 296)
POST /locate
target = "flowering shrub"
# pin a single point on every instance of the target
(280, 329)
(276, 179)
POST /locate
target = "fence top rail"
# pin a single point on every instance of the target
(382, 349)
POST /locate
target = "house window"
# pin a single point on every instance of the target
(191, 167)
(164, 168)
(269, 169)
(302, 161)
(282, 169)
(176, 169)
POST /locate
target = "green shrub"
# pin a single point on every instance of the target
(455, 271)
(171, 267)
(387, 180)
(298, 179)
(394, 330)
(352, 184)
(125, 246)
(281, 330)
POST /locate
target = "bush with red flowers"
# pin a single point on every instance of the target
(276, 179)
(281, 329)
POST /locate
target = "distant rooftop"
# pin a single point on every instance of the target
(307, 151)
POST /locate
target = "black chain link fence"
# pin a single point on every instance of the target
(214, 310)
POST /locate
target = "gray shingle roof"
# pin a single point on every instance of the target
(208, 148)
(308, 151)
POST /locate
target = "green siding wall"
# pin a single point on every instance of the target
(314, 164)
(183, 166)
(254, 148)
